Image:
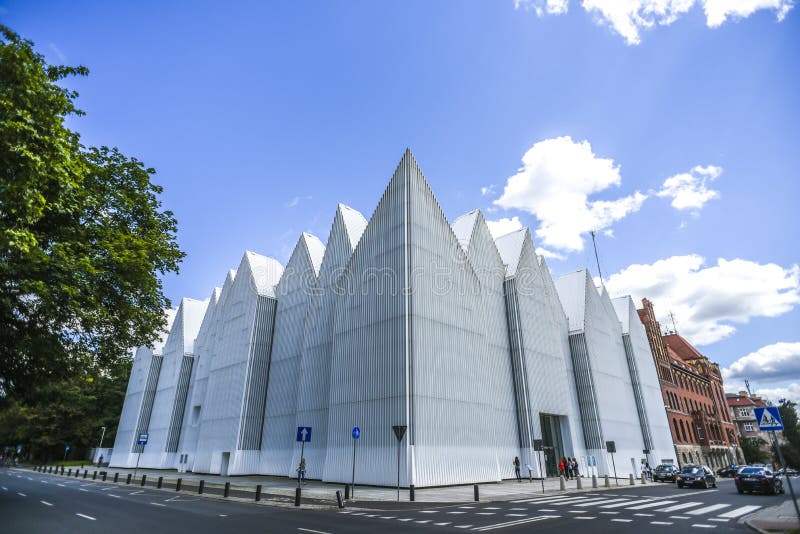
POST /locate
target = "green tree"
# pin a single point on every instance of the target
(751, 448)
(791, 432)
(83, 237)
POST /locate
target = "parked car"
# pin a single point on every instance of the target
(787, 471)
(729, 471)
(665, 473)
(696, 475)
(758, 479)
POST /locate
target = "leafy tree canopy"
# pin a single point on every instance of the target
(83, 237)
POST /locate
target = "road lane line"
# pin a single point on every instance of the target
(46, 503)
(718, 520)
(81, 489)
(313, 531)
(5, 488)
(112, 495)
(21, 494)
(708, 509)
(679, 506)
(622, 520)
(513, 523)
(620, 504)
(86, 517)
(661, 523)
(701, 525)
(740, 511)
(388, 517)
(158, 504)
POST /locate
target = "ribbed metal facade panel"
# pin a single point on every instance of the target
(637, 392)
(517, 351)
(590, 418)
(368, 361)
(255, 393)
(294, 296)
(314, 384)
(181, 391)
(148, 395)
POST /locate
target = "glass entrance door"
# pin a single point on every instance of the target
(551, 443)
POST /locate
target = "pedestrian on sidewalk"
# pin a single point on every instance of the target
(100, 461)
(575, 469)
(516, 468)
(562, 465)
(301, 471)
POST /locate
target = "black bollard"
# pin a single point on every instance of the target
(105, 474)
(160, 482)
(339, 499)
(477, 496)
(94, 475)
(69, 472)
(178, 484)
(347, 491)
(202, 485)
(116, 478)
(144, 477)
(77, 473)
(227, 490)
(297, 496)
(128, 480)
(51, 470)
(62, 470)
(411, 492)
(85, 473)
(258, 492)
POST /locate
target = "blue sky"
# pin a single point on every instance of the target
(259, 117)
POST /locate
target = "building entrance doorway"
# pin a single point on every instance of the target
(551, 443)
(226, 459)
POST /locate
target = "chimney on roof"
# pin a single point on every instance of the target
(743, 394)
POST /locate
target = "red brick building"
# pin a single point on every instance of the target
(702, 429)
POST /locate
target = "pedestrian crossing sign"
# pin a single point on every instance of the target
(769, 418)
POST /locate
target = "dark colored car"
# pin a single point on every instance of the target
(696, 475)
(758, 479)
(665, 473)
(729, 471)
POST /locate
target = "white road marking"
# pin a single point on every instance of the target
(644, 515)
(649, 505)
(406, 519)
(622, 520)
(546, 510)
(626, 502)
(708, 509)
(441, 524)
(21, 494)
(595, 502)
(679, 517)
(221, 515)
(661, 522)
(456, 512)
(62, 485)
(584, 517)
(136, 492)
(516, 515)
(112, 495)
(610, 513)
(423, 521)
(491, 508)
(718, 520)
(463, 526)
(158, 504)
(313, 531)
(86, 517)
(513, 523)
(578, 511)
(701, 525)
(467, 507)
(81, 489)
(517, 509)
(46, 503)
(679, 506)
(388, 517)
(429, 511)
(740, 511)
(5, 488)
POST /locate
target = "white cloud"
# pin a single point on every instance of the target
(296, 200)
(774, 393)
(503, 226)
(488, 190)
(549, 254)
(554, 183)
(689, 190)
(542, 7)
(779, 361)
(629, 17)
(718, 11)
(707, 299)
(608, 232)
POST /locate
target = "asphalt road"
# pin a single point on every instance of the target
(32, 502)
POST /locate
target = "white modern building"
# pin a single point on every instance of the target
(402, 320)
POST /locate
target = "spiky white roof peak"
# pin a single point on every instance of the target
(354, 223)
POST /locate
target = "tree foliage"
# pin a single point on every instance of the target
(791, 432)
(753, 451)
(83, 238)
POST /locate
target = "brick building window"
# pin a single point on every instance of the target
(749, 427)
(743, 412)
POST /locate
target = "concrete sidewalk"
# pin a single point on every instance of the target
(781, 518)
(315, 489)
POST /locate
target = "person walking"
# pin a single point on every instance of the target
(100, 461)
(575, 469)
(516, 468)
(562, 467)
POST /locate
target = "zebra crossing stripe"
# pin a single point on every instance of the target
(679, 507)
(708, 509)
(738, 512)
(620, 504)
(516, 523)
(650, 505)
(602, 501)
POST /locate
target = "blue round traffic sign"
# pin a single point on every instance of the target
(356, 432)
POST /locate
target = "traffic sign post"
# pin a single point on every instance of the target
(538, 446)
(611, 448)
(303, 435)
(140, 440)
(356, 435)
(399, 432)
(769, 418)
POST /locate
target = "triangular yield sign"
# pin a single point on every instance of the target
(399, 431)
